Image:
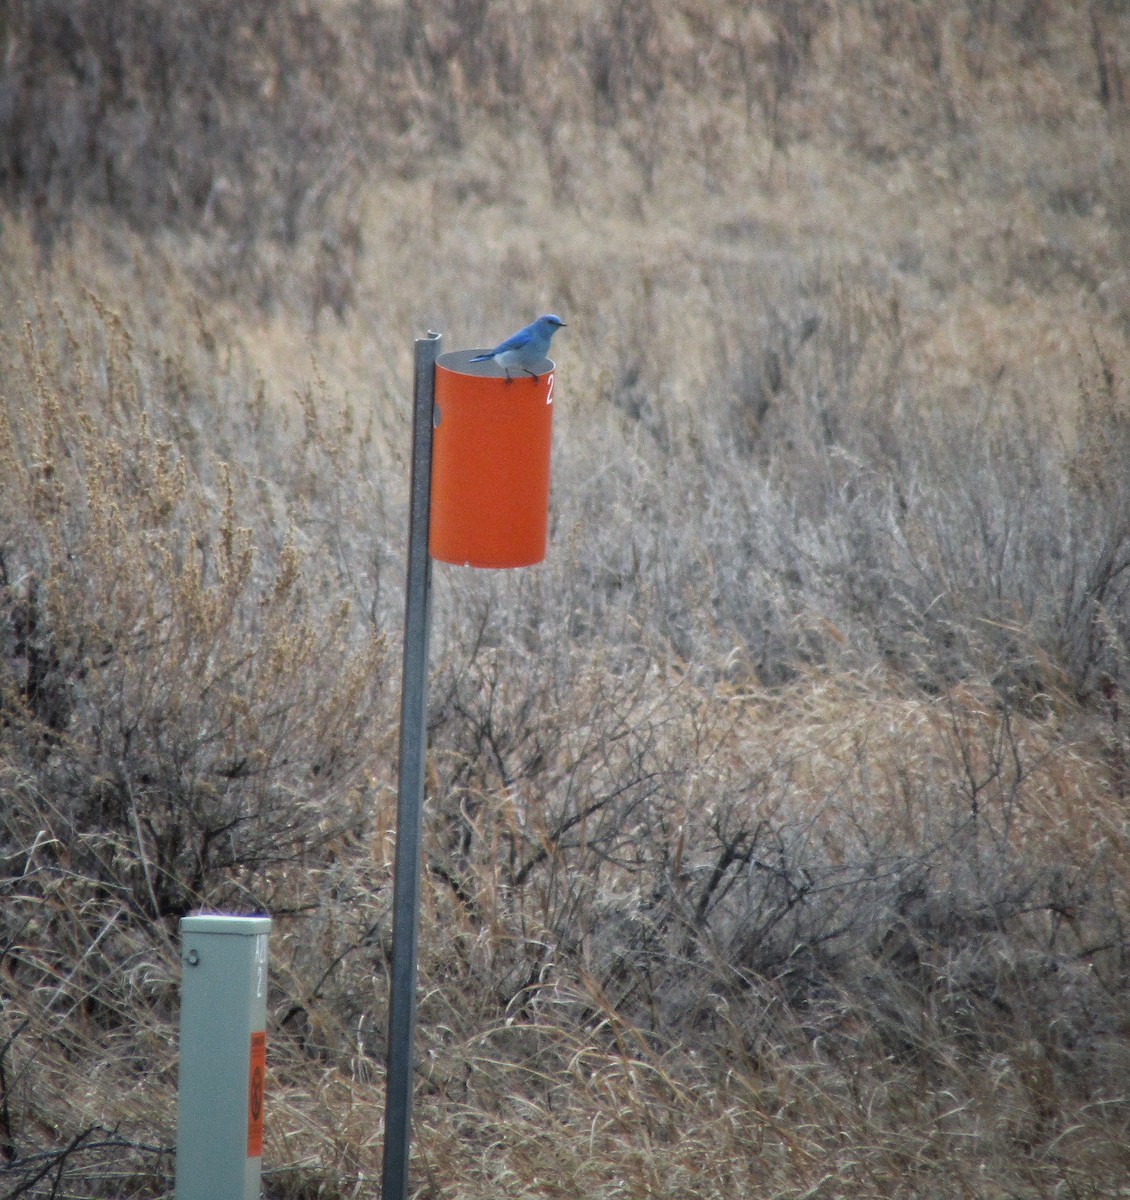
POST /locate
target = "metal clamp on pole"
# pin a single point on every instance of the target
(410, 798)
(223, 1057)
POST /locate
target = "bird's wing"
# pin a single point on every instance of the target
(516, 341)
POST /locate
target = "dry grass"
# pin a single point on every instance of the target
(777, 824)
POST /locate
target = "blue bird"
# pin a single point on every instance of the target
(526, 348)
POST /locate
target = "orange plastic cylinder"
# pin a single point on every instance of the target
(490, 463)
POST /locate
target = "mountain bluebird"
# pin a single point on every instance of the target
(526, 348)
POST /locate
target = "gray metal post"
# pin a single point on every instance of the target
(223, 1047)
(410, 797)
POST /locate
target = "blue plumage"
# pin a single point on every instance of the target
(525, 348)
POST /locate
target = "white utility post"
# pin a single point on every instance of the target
(223, 1057)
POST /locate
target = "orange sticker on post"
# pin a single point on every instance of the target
(255, 1087)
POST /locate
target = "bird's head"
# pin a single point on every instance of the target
(550, 323)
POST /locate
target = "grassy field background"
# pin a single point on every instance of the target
(777, 832)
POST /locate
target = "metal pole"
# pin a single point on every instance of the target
(410, 798)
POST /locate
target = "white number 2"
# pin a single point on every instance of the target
(549, 394)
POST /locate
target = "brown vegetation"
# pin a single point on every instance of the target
(777, 825)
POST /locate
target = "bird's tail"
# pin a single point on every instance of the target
(481, 357)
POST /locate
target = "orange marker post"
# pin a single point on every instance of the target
(479, 497)
(490, 463)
